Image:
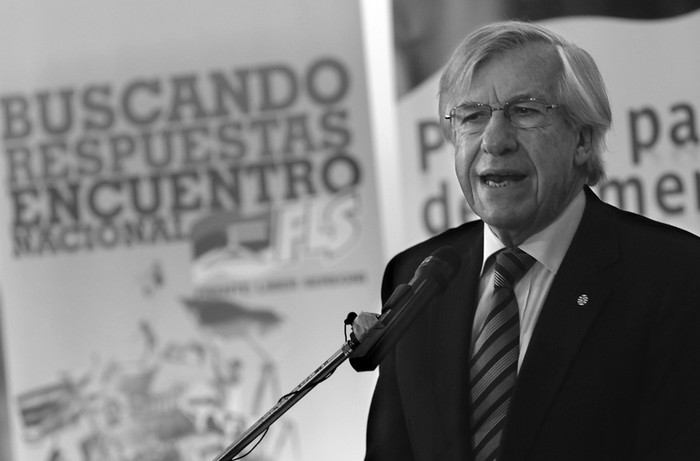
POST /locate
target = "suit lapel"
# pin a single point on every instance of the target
(433, 361)
(450, 336)
(576, 297)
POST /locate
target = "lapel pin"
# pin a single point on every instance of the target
(582, 300)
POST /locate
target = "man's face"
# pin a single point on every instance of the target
(518, 180)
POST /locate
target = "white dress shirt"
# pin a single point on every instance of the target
(548, 247)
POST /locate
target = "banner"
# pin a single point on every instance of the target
(189, 215)
(646, 56)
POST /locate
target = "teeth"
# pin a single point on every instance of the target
(500, 183)
(498, 180)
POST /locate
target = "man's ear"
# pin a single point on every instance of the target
(584, 146)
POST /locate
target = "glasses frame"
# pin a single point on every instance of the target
(504, 108)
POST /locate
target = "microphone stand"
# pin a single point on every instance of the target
(400, 309)
(286, 402)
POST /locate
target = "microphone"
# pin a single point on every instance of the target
(430, 279)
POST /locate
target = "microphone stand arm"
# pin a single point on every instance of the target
(401, 308)
(287, 401)
(373, 342)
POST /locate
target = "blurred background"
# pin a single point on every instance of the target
(195, 194)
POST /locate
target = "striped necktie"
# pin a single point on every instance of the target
(494, 361)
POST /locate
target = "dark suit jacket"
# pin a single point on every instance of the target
(617, 378)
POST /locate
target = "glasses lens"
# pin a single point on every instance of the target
(470, 118)
(527, 114)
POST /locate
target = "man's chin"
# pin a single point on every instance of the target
(509, 220)
(503, 205)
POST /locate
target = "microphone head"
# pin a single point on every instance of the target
(441, 266)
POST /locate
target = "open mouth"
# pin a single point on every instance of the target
(501, 180)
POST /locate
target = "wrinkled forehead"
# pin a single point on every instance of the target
(529, 71)
(515, 58)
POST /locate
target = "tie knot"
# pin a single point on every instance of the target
(511, 265)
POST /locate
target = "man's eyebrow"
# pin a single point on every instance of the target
(521, 96)
(469, 103)
(517, 97)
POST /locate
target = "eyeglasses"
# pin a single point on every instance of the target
(471, 119)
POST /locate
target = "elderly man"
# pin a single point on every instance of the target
(572, 329)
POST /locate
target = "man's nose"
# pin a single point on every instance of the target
(499, 136)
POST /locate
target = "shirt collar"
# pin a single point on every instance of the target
(549, 245)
